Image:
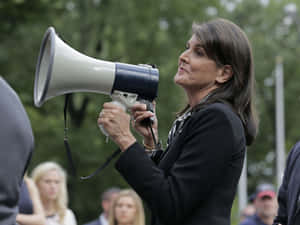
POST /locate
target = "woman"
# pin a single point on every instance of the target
(194, 180)
(127, 209)
(31, 211)
(50, 178)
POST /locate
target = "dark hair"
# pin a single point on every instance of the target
(226, 44)
(107, 193)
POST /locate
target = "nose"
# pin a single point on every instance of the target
(183, 58)
(123, 209)
(53, 185)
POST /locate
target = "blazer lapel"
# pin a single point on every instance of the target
(171, 153)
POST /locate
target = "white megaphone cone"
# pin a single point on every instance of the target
(61, 69)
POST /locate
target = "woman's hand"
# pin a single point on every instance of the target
(140, 113)
(116, 123)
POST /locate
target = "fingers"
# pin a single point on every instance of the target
(140, 116)
(104, 115)
(142, 106)
(111, 110)
(103, 118)
(107, 115)
(139, 107)
(111, 106)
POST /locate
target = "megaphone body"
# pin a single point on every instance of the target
(61, 69)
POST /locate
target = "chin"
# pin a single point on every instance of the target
(177, 78)
(178, 81)
(181, 80)
(121, 220)
(52, 197)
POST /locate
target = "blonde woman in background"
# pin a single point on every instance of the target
(127, 209)
(50, 179)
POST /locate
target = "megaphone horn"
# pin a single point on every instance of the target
(60, 70)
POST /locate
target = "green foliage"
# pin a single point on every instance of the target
(140, 31)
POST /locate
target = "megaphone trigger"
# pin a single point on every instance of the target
(150, 107)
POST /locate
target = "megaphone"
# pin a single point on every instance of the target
(61, 70)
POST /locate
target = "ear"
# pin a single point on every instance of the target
(225, 74)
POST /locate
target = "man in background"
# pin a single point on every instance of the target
(265, 204)
(107, 198)
(16, 146)
(247, 212)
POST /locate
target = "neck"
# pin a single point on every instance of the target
(267, 220)
(105, 215)
(48, 207)
(194, 98)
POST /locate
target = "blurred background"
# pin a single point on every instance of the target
(154, 32)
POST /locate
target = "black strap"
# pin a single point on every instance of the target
(148, 122)
(66, 142)
(105, 164)
(68, 148)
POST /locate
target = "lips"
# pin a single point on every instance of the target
(181, 69)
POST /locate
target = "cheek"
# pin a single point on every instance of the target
(132, 214)
(54, 191)
(43, 189)
(204, 69)
(118, 213)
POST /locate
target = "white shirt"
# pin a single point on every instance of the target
(68, 220)
(103, 220)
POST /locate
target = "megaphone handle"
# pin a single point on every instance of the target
(102, 128)
(148, 121)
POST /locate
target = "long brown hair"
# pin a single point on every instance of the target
(226, 44)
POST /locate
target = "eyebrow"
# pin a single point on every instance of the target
(199, 45)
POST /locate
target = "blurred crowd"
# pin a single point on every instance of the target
(44, 201)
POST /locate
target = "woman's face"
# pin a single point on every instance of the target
(49, 185)
(196, 72)
(125, 210)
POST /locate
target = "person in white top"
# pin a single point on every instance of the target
(50, 179)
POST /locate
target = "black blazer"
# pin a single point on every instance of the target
(288, 196)
(16, 145)
(196, 178)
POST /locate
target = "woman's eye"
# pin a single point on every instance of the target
(187, 46)
(199, 52)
